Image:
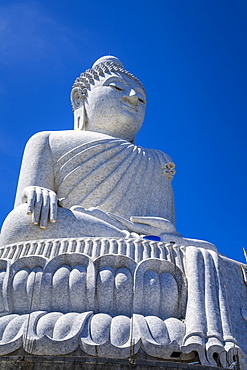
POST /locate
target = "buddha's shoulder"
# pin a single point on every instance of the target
(64, 137)
(76, 135)
(39, 139)
(47, 135)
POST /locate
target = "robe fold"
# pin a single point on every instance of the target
(116, 176)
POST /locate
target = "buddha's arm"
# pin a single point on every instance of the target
(36, 180)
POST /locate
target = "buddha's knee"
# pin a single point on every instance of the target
(18, 226)
(14, 225)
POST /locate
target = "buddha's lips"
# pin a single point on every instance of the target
(130, 107)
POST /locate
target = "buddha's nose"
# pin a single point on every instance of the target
(133, 98)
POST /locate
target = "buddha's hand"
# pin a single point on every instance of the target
(147, 225)
(41, 204)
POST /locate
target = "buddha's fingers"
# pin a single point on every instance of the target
(45, 209)
(160, 225)
(29, 197)
(53, 206)
(138, 228)
(158, 222)
(37, 206)
(122, 220)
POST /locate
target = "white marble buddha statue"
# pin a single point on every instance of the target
(75, 268)
(93, 180)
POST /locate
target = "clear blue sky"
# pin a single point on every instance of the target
(191, 56)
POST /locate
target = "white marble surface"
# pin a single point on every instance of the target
(163, 305)
(90, 255)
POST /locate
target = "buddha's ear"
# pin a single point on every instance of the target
(77, 100)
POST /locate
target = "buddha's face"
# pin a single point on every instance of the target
(115, 106)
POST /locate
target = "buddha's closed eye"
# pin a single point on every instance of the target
(118, 88)
(113, 85)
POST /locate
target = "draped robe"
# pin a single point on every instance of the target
(113, 175)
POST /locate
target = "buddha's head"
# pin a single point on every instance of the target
(108, 99)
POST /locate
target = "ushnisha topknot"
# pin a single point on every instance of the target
(110, 59)
(104, 65)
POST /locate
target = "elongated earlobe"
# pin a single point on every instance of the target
(80, 118)
(77, 99)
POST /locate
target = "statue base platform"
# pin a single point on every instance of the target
(74, 362)
(174, 300)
